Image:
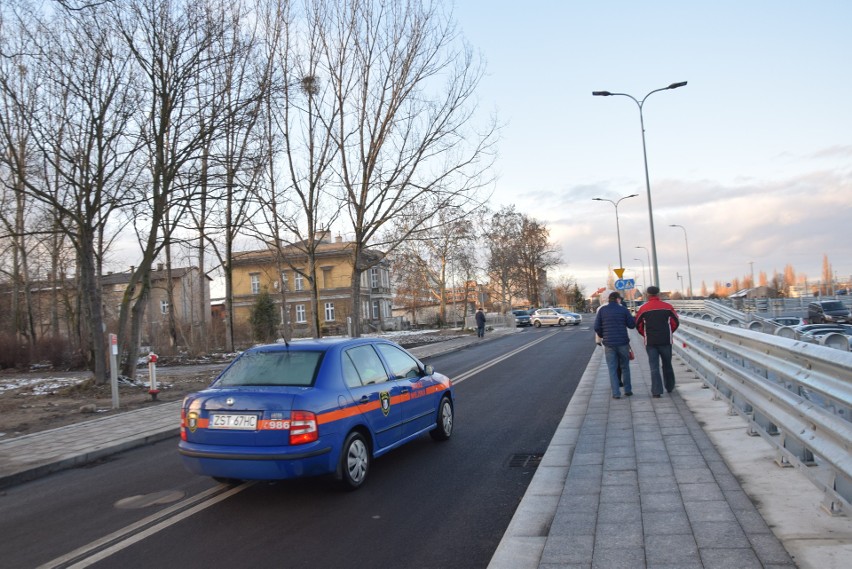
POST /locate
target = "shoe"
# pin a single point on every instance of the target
(656, 396)
(669, 390)
(628, 393)
(616, 396)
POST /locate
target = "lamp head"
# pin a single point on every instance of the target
(603, 93)
(676, 85)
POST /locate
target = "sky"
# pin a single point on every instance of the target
(753, 157)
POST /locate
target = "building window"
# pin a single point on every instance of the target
(283, 280)
(329, 312)
(255, 283)
(301, 316)
(374, 277)
(164, 307)
(300, 281)
(375, 310)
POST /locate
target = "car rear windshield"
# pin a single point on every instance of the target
(291, 368)
(832, 305)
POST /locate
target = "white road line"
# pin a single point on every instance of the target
(486, 365)
(128, 536)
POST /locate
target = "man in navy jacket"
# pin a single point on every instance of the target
(656, 321)
(611, 324)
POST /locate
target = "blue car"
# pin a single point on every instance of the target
(311, 408)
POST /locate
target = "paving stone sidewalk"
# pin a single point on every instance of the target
(646, 488)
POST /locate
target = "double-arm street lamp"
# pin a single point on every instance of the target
(655, 267)
(688, 265)
(617, 228)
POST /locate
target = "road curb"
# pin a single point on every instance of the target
(523, 542)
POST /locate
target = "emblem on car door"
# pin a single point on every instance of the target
(229, 401)
(385, 398)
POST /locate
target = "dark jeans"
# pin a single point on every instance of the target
(480, 331)
(618, 356)
(656, 354)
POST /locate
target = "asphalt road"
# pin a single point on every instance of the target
(427, 504)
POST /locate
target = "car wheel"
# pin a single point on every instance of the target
(537, 323)
(354, 461)
(562, 322)
(445, 421)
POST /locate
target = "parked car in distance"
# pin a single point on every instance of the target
(313, 407)
(816, 335)
(788, 321)
(810, 327)
(828, 311)
(522, 317)
(572, 317)
(548, 317)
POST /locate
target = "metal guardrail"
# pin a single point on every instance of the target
(722, 314)
(798, 396)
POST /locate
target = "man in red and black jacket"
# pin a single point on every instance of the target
(656, 321)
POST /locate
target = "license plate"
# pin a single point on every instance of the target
(236, 422)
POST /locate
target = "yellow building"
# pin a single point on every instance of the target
(284, 275)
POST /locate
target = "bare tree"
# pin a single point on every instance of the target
(403, 83)
(296, 201)
(78, 127)
(536, 254)
(501, 240)
(233, 159)
(519, 255)
(171, 45)
(434, 258)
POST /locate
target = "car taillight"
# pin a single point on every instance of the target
(182, 424)
(303, 427)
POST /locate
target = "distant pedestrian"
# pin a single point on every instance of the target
(656, 321)
(480, 323)
(611, 324)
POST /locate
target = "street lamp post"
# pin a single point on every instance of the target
(688, 265)
(644, 282)
(655, 267)
(617, 228)
(648, 255)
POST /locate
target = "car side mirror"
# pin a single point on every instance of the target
(428, 370)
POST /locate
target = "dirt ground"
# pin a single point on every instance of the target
(37, 401)
(37, 407)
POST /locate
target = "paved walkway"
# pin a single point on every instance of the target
(637, 483)
(626, 483)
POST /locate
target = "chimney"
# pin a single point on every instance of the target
(159, 266)
(321, 236)
(339, 238)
